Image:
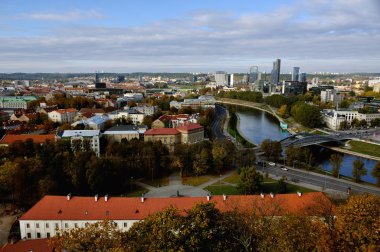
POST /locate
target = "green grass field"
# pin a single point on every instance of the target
(196, 181)
(217, 189)
(136, 191)
(365, 148)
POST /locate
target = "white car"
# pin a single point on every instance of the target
(284, 168)
(271, 163)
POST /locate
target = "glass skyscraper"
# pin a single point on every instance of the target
(276, 71)
(296, 74)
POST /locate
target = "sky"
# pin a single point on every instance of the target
(189, 35)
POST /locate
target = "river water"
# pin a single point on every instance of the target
(257, 125)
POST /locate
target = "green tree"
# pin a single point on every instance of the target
(250, 181)
(100, 236)
(281, 185)
(358, 170)
(376, 172)
(336, 162)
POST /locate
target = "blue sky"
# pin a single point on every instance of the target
(189, 35)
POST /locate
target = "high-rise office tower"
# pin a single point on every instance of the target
(97, 78)
(253, 74)
(303, 77)
(295, 74)
(220, 78)
(276, 71)
(230, 81)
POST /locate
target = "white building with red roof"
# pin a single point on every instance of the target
(53, 213)
(63, 115)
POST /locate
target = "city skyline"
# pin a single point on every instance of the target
(201, 36)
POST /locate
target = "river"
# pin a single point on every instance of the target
(257, 125)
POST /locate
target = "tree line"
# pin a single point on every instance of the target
(205, 228)
(29, 171)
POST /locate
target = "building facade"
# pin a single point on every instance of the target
(63, 115)
(83, 139)
(52, 214)
(276, 72)
(16, 102)
(296, 74)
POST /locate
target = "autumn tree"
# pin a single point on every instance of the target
(250, 181)
(100, 236)
(358, 224)
(271, 149)
(358, 170)
(336, 162)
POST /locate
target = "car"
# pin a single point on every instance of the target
(284, 168)
(271, 163)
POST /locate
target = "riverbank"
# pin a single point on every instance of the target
(293, 127)
(233, 131)
(353, 153)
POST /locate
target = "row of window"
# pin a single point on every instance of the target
(66, 225)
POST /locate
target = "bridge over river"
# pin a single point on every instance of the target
(305, 139)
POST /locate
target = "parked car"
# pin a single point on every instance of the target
(271, 163)
(284, 168)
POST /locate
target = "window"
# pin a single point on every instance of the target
(29, 235)
(125, 224)
(37, 225)
(47, 225)
(38, 235)
(56, 225)
(66, 225)
(47, 235)
(27, 225)
(76, 225)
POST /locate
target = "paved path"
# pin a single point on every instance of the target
(215, 180)
(175, 187)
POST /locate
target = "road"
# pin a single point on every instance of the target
(319, 180)
(220, 113)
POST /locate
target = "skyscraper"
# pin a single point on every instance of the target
(97, 78)
(220, 78)
(303, 77)
(295, 74)
(253, 74)
(276, 71)
(230, 80)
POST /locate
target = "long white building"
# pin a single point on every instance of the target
(52, 214)
(83, 137)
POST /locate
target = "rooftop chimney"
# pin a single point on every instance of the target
(106, 198)
(271, 195)
(224, 197)
(96, 197)
(69, 196)
(208, 197)
(142, 198)
(262, 195)
(299, 194)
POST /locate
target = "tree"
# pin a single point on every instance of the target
(100, 236)
(271, 149)
(281, 185)
(358, 170)
(336, 162)
(343, 125)
(250, 181)
(358, 224)
(376, 172)
(282, 110)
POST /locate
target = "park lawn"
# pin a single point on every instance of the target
(218, 189)
(196, 180)
(290, 188)
(365, 148)
(233, 179)
(318, 132)
(137, 191)
(158, 182)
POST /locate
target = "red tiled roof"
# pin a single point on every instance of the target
(63, 111)
(9, 139)
(37, 245)
(92, 110)
(189, 127)
(162, 131)
(121, 208)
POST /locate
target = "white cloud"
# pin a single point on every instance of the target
(318, 35)
(63, 17)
